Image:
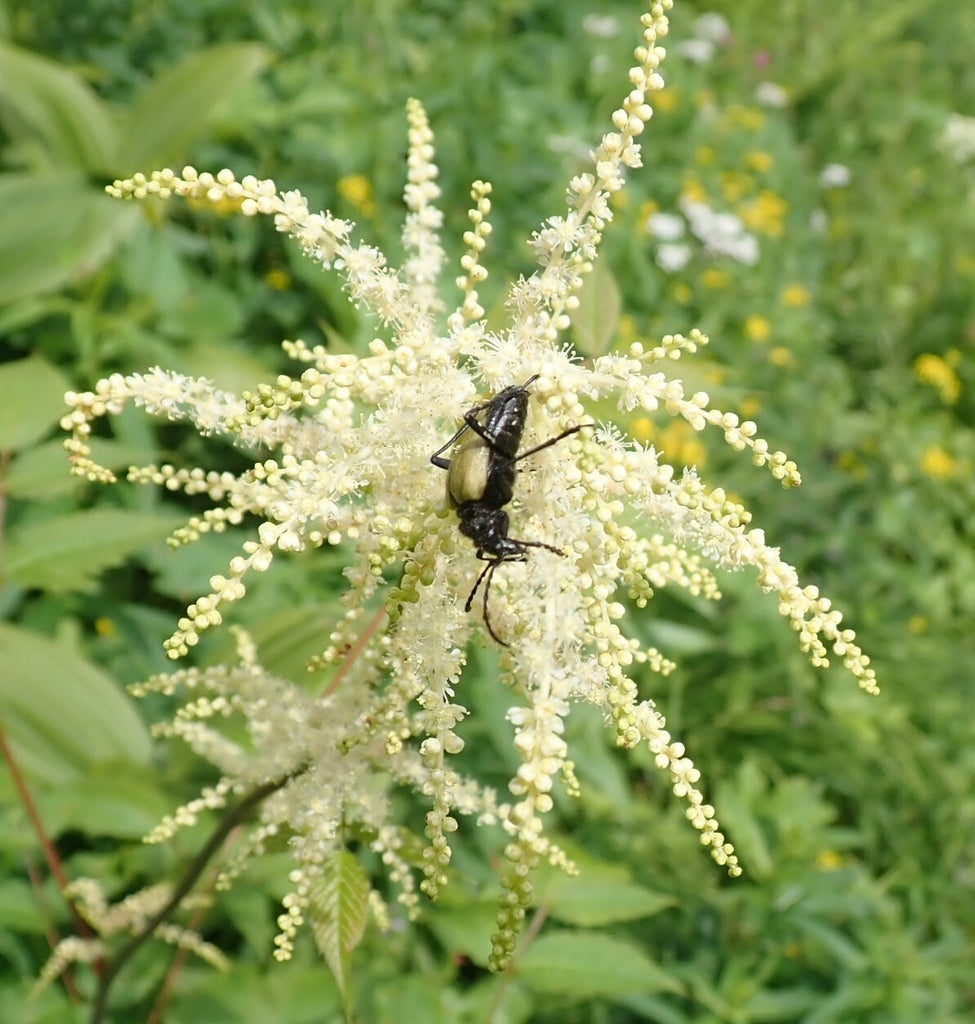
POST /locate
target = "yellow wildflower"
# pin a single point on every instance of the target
(715, 279)
(938, 463)
(278, 279)
(757, 327)
(749, 118)
(750, 407)
(693, 191)
(939, 372)
(760, 161)
(667, 100)
(735, 185)
(356, 189)
(765, 213)
(704, 156)
(796, 295)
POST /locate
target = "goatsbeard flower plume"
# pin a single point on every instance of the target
(350, 439)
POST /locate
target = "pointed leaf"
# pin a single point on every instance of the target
(55, 111)
(42, 471)
(60, 712)
(596, 322)
(31, 402)
(174, 110)
(587, 965)
(111, 799)
(337, 912)
(66, 552)
(600, 901)
(56, 229)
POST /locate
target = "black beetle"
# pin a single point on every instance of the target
(481, 477)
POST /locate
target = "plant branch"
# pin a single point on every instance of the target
(235, 817)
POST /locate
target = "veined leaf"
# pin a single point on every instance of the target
(584, 965)
(48, 244)
(61, 713)
(596, 322)
(176, 107)
(592, 902)
(31, 402)
(56, 112)
(66, 552)
(338, 912)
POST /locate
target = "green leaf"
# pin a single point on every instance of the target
(587, 965)
(18, 907)
(42, 471)
(60, 712)
(56, 229)
(52, 113)
(66, 552)
(591, 903)
(175, 109)
(107, 801)
(464, 924)
(31, 402)
(596, 322)
(741, 800)
(288, 639)
(337, 913)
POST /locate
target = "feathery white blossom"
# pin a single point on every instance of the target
(350, 439)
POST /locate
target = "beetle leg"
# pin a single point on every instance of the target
(491, 565)
(471, 421)
(487, 618)
(550, 441)
(445, 463)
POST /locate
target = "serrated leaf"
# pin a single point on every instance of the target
(31, 401)
(55, 111)
(596, 322)
(175, 108)
(61, 713)
(591, 903)
(338, 910)
(49, 244)
(66, 552)
(586, 965)
(287, 639)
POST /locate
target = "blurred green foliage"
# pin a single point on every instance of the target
(850, 339)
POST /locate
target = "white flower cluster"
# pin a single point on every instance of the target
(351, 438)
(720, 234)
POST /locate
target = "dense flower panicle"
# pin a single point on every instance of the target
(128, 916)
(350, 439)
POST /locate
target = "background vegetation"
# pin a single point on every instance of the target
(849, 339)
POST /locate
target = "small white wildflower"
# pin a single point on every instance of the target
(697, 51)
(958, 137)
(673, 257)
(668, 227)
(600, 26)
(771, 95)
(835, 176)
(712, 26)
